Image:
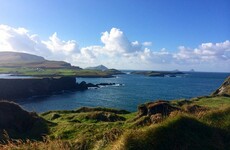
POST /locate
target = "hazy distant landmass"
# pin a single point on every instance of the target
(100, 67)
(16, 59)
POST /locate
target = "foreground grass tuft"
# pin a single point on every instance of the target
(177, 133)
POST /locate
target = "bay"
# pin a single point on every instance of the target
(135, 90)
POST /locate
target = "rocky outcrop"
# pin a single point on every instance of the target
(22, 88)
(18, 123)
(153, 112)
(12, 89)
(152, 108)
(224, 89)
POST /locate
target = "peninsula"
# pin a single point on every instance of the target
(24, 64)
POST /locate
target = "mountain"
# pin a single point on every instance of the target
(100, 67)
(17, 59)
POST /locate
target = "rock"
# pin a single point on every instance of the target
(224, 89)
(142, 110)
(162, 107)
(55, 116)
(20, 123)
(142, 121)
(156, 118)
(194, 108)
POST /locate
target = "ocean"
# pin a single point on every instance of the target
(130, 91)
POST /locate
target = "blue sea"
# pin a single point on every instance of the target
(135, 90)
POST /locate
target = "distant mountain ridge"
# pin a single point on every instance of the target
(18, 59)
(100, 67)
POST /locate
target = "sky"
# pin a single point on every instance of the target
(121, 34)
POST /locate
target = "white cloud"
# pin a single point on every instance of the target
(58, 46)
(206, 52)
(117, 51)
(147, 43)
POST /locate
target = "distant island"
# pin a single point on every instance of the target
(100, 67)
(24, 64)
(192, 70)
(158, 73)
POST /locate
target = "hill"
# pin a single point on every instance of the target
(100, 67)
(24, 64)
(16, 59)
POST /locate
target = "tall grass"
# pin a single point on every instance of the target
(178, 133)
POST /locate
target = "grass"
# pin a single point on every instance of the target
(91, 128)
(57, 72)
(212, 102)
(178, 133)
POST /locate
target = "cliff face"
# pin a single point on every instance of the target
(224, 89)
(22, 88)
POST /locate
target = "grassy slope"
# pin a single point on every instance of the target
(208, 129)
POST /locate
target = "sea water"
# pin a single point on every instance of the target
(130, 91)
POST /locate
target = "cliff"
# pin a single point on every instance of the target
(224, 89)
(23, 88)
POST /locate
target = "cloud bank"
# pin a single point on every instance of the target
(117, 51)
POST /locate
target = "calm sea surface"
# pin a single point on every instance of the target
(137, 89)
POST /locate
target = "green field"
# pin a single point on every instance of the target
(58, 72)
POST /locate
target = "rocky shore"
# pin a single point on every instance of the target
(12, 89)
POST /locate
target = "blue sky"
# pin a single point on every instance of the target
(124, 34)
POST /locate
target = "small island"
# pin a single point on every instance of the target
(158, 73)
